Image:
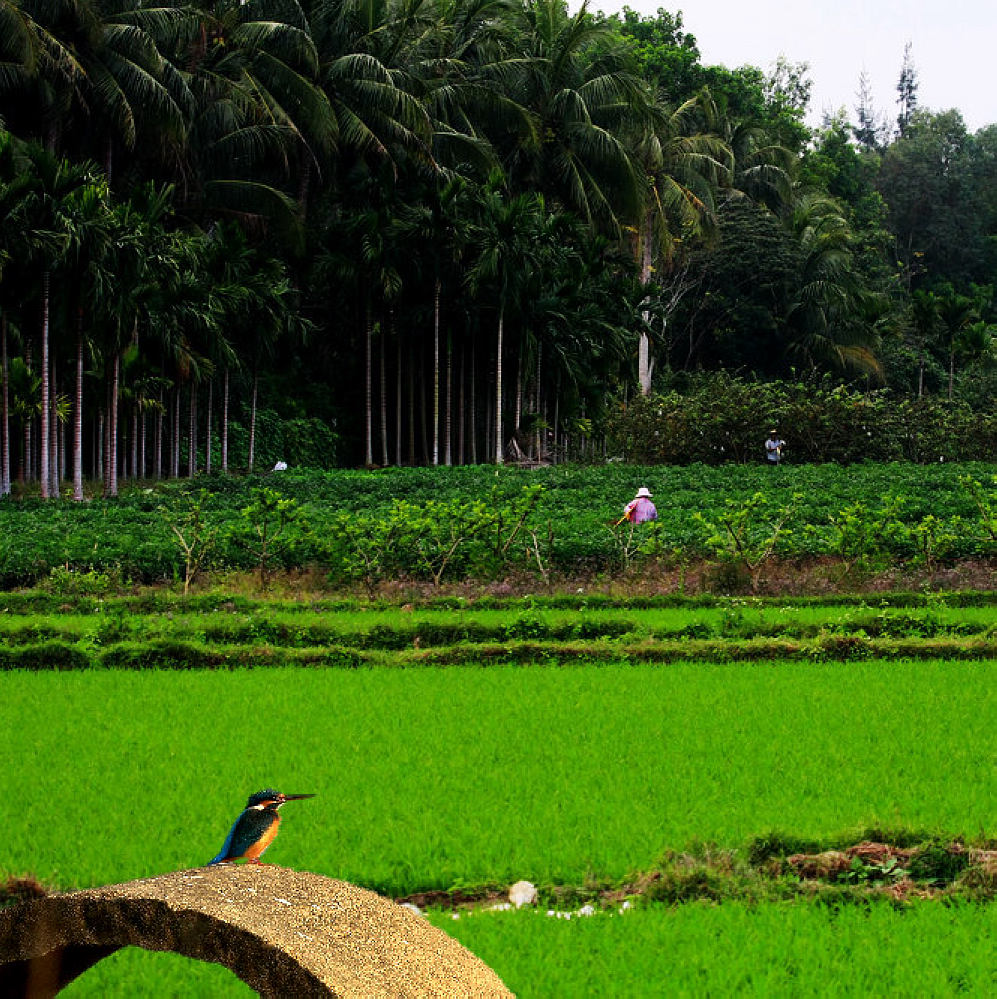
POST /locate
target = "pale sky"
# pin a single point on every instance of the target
(952, 47)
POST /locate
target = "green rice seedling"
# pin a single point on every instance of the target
(429, 776)
(132, 973)
(772, 949)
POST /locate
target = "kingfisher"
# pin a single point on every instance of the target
(255, 828)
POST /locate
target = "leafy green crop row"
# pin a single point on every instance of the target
(446, 523)
(736, 630)
(392, 629)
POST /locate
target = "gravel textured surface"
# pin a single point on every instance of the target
(283, 932)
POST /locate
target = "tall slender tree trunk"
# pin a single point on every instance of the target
(473, 426)
(498, 388)
(43, 468)
(4, 410)
(207, 447)
(645, 363)
(158, 443)
(78, 413)
(225, 423)
(143, 425)
(136, 423)
(489, 426)
(111, 484)
(105, 441)
(411, 404)
(436, 373)
(384, 392)
(460, 409)
(519, 390)
(53, 454)
(100, 450)
(536, 408)
(424, 410)
(175, 421)
(368, 379)
(252, 421)
(448, 406)
(398, 400)
(557, 401)
(192, 454)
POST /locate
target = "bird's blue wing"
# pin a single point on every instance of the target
(224, 852)
(248, 829)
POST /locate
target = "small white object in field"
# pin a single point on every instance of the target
(522, 893)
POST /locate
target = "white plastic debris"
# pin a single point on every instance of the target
(523, 893)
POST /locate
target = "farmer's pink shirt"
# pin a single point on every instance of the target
(643, 510)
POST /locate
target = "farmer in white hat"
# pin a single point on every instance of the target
(640, 508)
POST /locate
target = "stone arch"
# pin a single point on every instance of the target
(283, 932)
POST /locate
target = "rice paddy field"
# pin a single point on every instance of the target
(692, 950)
(571, 772)
(428, 778)
(753, 794)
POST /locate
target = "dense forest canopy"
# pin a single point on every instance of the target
(447, 231)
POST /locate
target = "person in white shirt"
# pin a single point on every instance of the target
(773, 447)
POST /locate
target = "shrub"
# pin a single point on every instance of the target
(45, 655)
(777, 844)
(938, 862)
(158, 655)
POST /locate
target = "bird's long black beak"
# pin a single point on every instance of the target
(296, 797)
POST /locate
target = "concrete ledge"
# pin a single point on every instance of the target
(283, 932)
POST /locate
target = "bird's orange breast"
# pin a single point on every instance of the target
(256, 850)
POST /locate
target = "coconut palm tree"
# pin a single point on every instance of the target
(685, 164)
(507, 236)
(97, 77)
(465, 71)
(258, 113)
(825, 317)
(84, 278)
(575, 82)
(363, 48)
(56, 183)
(16, 192)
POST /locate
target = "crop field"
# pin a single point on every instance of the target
(714, 756)
(163, 632)
(442, 778)
(732, 949)
(430, 778)
(898, 512)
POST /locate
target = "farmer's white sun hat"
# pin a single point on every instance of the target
(643, 492)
